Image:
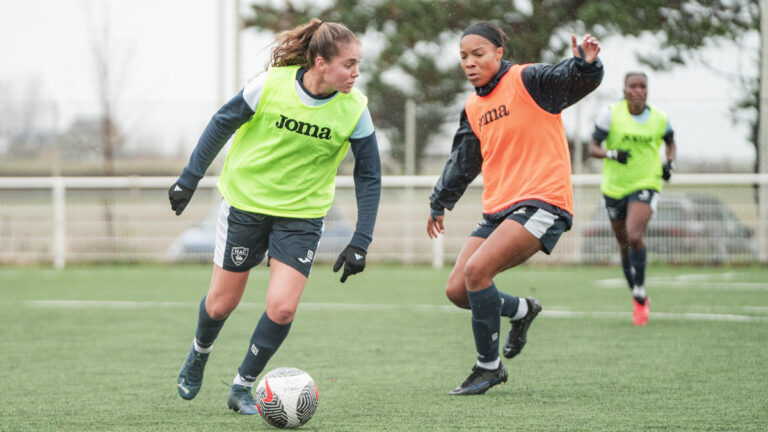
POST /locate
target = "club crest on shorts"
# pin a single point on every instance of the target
(239, 254)
(308, 258)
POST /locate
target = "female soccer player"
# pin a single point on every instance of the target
(294, 125)
(632, 174)
(511, 131)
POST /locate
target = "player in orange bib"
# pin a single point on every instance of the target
(511, 131)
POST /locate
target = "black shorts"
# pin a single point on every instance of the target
(617, 208)
(242, 239)
(545, 226)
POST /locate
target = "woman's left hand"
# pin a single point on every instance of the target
(589, 45)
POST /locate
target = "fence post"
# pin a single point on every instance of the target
(59, 223)
(762, 145)
(437, 252)
(410, 170)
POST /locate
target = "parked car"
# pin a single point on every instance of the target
(198, 242)
(685, 227)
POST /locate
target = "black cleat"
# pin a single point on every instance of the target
(480, 380)
(241, 401)
(191, 374)
(516, 337)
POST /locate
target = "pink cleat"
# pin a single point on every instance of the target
(640, 312)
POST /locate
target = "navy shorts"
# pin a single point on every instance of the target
(242, 239)
(617, 208)
(545, 226)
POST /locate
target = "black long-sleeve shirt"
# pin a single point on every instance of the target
(553, 87)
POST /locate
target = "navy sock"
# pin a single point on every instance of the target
(637, 257)
(486, 308)
(207, 327)
(509, 304)
(626, 265)
(265, 341)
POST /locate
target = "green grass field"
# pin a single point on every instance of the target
(98, 348)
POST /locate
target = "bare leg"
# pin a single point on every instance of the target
(508, 246)
(638, 216)
(286, 284)
(456, 289)
(224, 293)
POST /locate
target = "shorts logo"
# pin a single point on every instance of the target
(239, 254)
(309, 257)
(644, 195)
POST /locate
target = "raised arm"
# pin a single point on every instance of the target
(556, 87)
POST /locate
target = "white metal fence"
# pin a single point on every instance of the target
(701, 219)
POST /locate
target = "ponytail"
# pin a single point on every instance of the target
(306, 42)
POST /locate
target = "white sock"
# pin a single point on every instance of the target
(241, 381)
(522, 310)
(491, 365)
(200, 349)
(638, 291)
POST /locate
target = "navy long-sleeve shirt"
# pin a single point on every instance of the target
(238, 110)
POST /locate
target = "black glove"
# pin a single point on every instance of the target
(179, 197)
(619, 156)
(353, 260)
(666, 170)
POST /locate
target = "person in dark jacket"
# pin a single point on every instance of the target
(511, 131)
(293, 126)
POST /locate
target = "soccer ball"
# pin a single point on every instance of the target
(286, 397)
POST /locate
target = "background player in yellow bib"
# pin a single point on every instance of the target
(632, 176)
(293, 127)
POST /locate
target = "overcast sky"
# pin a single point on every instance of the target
(166, 55)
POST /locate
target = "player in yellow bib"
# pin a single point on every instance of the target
(632, 176)
(293, 127)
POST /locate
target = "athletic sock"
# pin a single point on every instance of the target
(207, 328)
(509, 304)
(522, 310)
(486, 305)
(241, 381)
(638, 292)
(201, 349)
(266, 339)
(626, 266)
(491, 365)
(637, 258)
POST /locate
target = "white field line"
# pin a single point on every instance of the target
(551, 311)
(687, 284)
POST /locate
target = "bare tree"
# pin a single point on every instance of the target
(108, 85)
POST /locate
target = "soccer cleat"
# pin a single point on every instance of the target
(480, 380)
(516, 337)
(241, 401)
(191, 374)
(640, 312)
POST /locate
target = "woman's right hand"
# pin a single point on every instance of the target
(435, 225)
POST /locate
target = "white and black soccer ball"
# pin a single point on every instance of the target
(286, 397)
